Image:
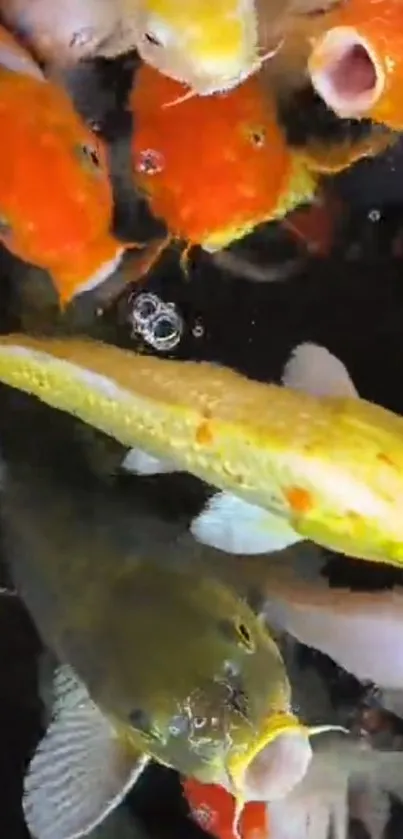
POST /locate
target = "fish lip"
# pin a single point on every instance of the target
(254, 774)
(225, 84)
(335, 46)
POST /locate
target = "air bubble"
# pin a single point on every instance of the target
(158, 323)
(198, 329)
(374, 215)
(164, 331)
(145, 307)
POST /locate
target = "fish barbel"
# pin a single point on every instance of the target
(306, 461)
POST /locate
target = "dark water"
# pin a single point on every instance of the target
(351, 301)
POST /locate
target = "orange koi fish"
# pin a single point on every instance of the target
(55, 193)
(212, 167)
(213, 808)
(356, 65)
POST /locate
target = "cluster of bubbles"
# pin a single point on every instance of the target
(157, 323)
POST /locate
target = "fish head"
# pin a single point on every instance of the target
(212, 694)
(232, 140)
(346, 72)
(209, 47)
(55, 194)
(355, 66)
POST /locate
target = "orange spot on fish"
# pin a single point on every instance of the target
(204, 434)
(299, 499)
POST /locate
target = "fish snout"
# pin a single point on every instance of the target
(346, 73)
(278, 767)
(278, 761)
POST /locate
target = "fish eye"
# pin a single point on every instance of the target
(88, 154)
(152, 39)
(199, 722)
(258, 138)
(244, 633)
(238, 631)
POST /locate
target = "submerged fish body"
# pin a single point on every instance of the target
(212, 168)
(157, 658)
(307, 461)
(55, 192)
(356, 64)
(360, 630)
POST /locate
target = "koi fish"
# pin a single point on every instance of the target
(212, 168)
(55, 192)
(307, 461)
(115, 614)
(356, 65)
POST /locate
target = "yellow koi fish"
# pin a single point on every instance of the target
(307, 461)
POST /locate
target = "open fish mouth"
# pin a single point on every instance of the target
(277, 762)
(346, 73)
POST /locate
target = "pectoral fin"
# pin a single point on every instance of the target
(80, 771)
(230, 524)
(141, 463)
(315, 370)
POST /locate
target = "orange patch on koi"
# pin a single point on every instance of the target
(299, 499)
(204, 434)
